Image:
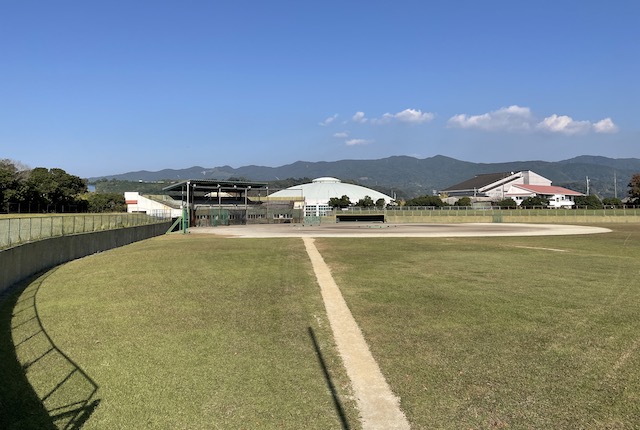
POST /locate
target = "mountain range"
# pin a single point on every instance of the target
(408, 176)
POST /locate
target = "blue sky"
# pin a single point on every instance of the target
(106, 87)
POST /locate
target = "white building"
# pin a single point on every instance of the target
(316, 195)
(558, 197)
(163, 206)
(492, 187)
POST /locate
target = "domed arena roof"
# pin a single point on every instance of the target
(320, 190)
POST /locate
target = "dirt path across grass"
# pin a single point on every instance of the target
(379, 407)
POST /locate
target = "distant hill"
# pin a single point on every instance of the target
(410, 177)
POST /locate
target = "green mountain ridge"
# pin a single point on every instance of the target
(410, 176)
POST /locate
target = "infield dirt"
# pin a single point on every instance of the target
(353, 229)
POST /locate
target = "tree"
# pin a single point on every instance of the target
(69, 187)
(10, 184)
(463, 201)
(105, 202)
(534, 201)
(589, 202)
(342, 202)
(507, 203)
(118, 186)
(366, 202)
(39, 188)
(380, 203)
(47, 189)
(634, 188)
(425, 201)
(612, 202)
(289, 182)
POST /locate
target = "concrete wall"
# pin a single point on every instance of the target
(436, 219)
(24, 260)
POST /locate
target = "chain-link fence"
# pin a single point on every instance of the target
(18, 230)
(471, 211)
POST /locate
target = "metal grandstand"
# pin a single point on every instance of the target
(208, 202)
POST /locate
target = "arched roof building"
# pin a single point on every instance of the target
(316, 195)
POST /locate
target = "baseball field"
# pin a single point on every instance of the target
(204, 331)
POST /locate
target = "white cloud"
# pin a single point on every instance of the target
(567, 125)
(411, 116)
(328, 120)
(414, 116)
(517, 118)
(563, 124)
(384, 119)
(511, 118)
(341, 135)
(605, 126)
(353, 142)
(359, 117)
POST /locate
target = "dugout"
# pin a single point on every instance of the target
(355, 217)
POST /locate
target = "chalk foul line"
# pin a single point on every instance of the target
(379, 407)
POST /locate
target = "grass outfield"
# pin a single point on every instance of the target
(538, 332)
(195, 331)
(181, 332)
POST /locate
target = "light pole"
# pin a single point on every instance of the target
(188, 224)
(219, 203)
(246, 206)
(266, 201)
(193, 201)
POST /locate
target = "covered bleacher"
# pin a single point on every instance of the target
(214, 202)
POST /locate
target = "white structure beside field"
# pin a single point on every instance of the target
(316, 194)
(161, 206)
(493, 187)
(558, 197)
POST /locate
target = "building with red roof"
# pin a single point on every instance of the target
(493, 187)
(558, 197)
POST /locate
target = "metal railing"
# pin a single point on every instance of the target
(17, 230)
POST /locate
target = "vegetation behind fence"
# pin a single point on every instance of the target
(16, 230)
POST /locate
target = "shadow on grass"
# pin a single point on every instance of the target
(41, 386)
(327, 377)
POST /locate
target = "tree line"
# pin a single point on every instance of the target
(44, 190)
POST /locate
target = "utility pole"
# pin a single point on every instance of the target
(188, 212)
(587, 185)
(246, 205)
(615, 185)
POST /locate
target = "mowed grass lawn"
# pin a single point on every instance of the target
(186, 332)
(205, 332)
(538, 332)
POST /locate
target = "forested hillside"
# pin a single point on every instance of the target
(409, 177)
